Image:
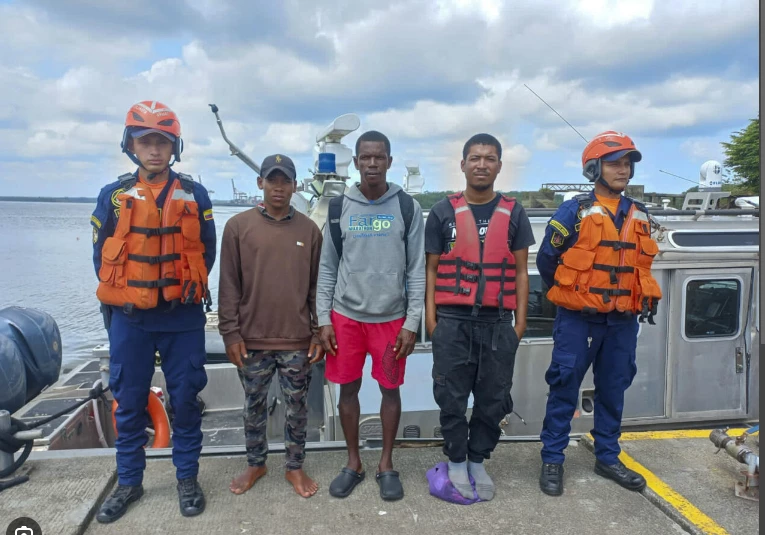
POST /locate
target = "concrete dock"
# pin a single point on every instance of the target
(63, 495)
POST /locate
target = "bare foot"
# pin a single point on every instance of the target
(304, 485)
(242, 483)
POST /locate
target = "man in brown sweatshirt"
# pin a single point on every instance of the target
(269, 264)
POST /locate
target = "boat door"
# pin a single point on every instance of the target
(709, 319)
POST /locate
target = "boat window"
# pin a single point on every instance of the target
(716, 239)
(712, 308)
(541, 312)
(540, 315)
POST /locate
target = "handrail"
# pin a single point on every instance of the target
(549, 212)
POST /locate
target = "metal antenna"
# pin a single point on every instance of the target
(556, 113)
(678, 176)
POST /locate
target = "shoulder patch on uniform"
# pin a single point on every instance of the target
(95, 221)
(95, 235)
(115, 194)
(557, 239)
(208, 215)
(560, 228)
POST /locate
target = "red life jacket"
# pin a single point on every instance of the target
(476, 281)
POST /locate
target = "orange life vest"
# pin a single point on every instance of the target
(604, 271)
(153, 249)
(478, 281)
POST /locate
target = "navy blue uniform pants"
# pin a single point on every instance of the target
(610, 349)
(131, 351)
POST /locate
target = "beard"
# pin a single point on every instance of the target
(482, 187)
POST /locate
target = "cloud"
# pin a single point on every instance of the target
(428, 73)
(704, 149)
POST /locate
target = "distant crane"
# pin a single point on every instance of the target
(239, 196)
(209, 191)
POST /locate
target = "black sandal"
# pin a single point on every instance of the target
(345, 482)
(390, 485)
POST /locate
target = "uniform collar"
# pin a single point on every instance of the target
(262, 208)
(624, 204)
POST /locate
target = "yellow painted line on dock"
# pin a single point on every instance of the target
(685, 433)
(676, 500)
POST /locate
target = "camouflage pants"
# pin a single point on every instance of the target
(294, 377)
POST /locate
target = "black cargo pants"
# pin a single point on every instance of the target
(472, 355)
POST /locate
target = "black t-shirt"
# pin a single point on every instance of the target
(441, 233)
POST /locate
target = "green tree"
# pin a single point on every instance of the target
(743, 158)
(428, 198)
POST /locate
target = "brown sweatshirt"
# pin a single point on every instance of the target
(267, 288)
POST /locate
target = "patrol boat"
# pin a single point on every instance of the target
(697, 365)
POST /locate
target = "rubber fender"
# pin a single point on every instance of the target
(159, 419)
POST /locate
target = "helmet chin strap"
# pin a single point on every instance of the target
(150, 176)
(607, 185)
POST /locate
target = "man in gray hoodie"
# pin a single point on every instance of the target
(369, 299)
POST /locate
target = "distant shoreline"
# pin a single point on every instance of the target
(49, 199)
(92, 200)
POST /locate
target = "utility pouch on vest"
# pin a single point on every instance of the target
(190, 227)
(574, 272)
(194, 278)
(113, 256)
(648, 250)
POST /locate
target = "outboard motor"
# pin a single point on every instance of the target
(30, 355)
(13, 378)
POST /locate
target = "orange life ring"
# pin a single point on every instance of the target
(159, 418)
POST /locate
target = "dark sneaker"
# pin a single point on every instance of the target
(190, 497)
(629, 479)
(117, 504)
(551, 479)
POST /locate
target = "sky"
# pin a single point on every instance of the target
(677, 76)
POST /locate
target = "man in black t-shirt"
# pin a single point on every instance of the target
(477, 279)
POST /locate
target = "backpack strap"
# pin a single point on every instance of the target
(334, 213)
(406, 205)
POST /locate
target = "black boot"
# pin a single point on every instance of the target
(190, 497)
(117, 504)
(629, 479)
(551, 479)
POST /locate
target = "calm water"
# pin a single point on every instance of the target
(46, 262)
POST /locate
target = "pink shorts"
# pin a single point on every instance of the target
(354, 341)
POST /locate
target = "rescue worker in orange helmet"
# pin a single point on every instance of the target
(596, 259)
(477, 293)
(153, 248)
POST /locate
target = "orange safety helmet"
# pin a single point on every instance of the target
(152, 117)
(609, 146)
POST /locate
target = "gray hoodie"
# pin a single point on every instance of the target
(376, 280)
